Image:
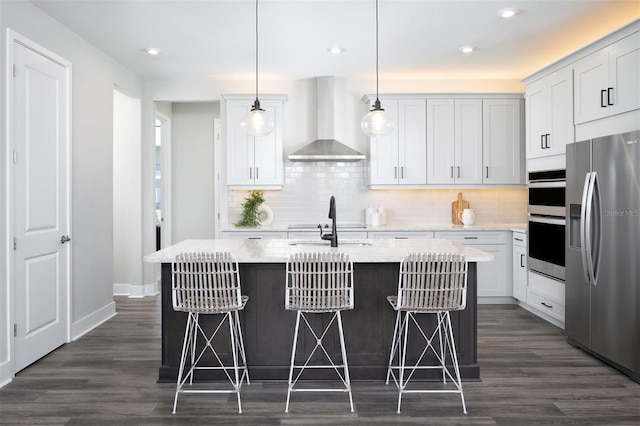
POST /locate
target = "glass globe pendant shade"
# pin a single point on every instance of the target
(377, 122)
(258, 122)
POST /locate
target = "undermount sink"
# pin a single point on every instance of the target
(316, 243)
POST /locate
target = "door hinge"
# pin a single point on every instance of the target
(15, 157)
(15, 243)
(15, 330)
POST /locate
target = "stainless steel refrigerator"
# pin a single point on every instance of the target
(602, 311)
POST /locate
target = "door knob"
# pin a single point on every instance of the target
(64, 239)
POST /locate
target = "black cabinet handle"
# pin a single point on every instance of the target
(546, 140)
(458, 171)
(522, 260)
(545, 305)
(609, 96)
(451, 172)
(470, 238)
(541, 141)
(602, 102)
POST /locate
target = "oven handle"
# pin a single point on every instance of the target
(548, 184)
(549, 220)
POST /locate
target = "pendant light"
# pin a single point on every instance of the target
(258, 122)
(377, 122)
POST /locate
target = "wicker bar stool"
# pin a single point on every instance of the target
(206, 284)
(319, 283)
(434, 283)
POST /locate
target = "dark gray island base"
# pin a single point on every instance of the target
(268, 327)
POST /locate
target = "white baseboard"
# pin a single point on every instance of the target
(136, 290)
(91, 321)
(496, 300)
(5, 373)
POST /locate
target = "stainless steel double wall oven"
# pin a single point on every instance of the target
(547, 223)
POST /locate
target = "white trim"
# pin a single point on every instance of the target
(136, 291)
(217, 224)
(6, 373)
(165, 153)
(93, 320)
(12, 38)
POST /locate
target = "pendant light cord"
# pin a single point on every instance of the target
(257, 50)
(377, 98)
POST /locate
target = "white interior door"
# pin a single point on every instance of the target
(40, 214)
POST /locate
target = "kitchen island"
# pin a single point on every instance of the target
(268, 327)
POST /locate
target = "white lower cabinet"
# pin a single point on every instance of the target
(254, 235)
(315, 235)
(519, 268)
(494, 278)
(546, 297)
(400, 235)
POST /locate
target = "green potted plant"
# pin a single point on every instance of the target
(250, 210)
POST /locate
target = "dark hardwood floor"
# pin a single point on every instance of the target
(530, 375)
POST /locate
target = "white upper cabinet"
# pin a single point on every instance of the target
(254, 162)
(502, 158)
(606, 82)
(400, 158)
(454, 141)
(549, 123)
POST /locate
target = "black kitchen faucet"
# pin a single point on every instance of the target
(333, 236)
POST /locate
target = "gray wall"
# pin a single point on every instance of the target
(94, 76)
(192, 169)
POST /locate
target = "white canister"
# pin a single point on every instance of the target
(376, 219)
(383, 215)
(368, 214)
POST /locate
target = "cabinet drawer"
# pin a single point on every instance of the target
(545, 304)
(547, 287)
(520, 239)
(474, 237)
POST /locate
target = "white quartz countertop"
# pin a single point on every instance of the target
(517, 227)
(278, 250)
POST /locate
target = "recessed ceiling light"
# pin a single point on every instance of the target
(467, 49)
(153, 51)
(508, 13)
(336, 50)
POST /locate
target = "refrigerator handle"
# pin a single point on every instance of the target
(588, 244)
(595, 239)
(583, 227)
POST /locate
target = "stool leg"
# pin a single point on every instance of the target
(394, 345)
(402, 357)
(443, 350)
(454, 359)
(234, 353)
(183, 357)
(293, 357)
(344, 359)
(240, 339)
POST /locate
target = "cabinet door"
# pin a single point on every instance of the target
(383, 152)
(440, 141)
(559, 112)
(520, 273)
(624, 69)
(537, 114)
(493, 277)
(501, 141)
(268, 150)
(412, 141)
(468, 141)
(591, 78)
(239, 145)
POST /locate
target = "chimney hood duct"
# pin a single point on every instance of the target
(326, 147)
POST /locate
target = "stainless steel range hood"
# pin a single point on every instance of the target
(326, 147)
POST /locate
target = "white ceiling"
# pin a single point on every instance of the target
(419, 39)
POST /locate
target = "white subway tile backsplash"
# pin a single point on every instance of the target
(308, 187)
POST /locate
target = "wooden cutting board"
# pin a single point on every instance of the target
(457, 206)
